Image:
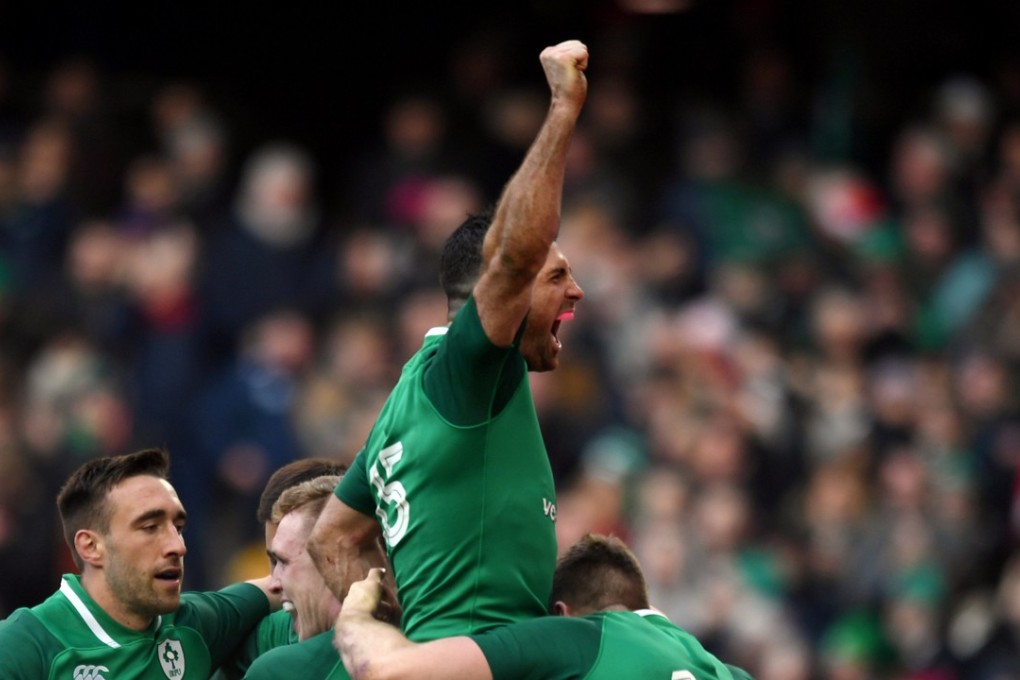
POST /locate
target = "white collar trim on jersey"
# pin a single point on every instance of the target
(86, 615)
(438, 330)
(650, 612)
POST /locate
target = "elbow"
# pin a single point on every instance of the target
(378, 669)
(368, 670)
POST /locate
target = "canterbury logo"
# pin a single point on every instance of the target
(90, 672)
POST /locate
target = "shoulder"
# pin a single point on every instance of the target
(542, 629)
(276, 630)
(27, 645)
(314, 658)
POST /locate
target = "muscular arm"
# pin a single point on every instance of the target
(527, 216)
(344, 544)
(373, 650)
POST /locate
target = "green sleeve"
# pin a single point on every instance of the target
(354, 489)
(314, 659)
(470, 379)
(223, 618)
(273, 631)
(262, 669)
(24, 655)
(542, 649)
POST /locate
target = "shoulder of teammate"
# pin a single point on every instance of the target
(314, 656)
(266, 666)
(545, 641)
(22, 639)
(467, 369)
(274, 630)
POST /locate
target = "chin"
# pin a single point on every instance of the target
(169, 605)
(541, 367)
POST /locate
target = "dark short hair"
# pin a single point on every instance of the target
(309, 496)
(597, 572)
(460, 264)
(290, 475)
(82, 501)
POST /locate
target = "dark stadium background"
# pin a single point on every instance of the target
(320, 73)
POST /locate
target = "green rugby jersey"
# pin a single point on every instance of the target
(70, 637)
(273, 631)
(456, 470)
(313, 659)
(602, 646)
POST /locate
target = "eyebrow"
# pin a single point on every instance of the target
(158, 514)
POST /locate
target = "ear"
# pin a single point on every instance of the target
(90, 547)
(561, 608)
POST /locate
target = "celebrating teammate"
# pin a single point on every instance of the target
(454, 474)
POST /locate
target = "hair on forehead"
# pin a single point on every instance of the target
(309, 496)
(292, 474)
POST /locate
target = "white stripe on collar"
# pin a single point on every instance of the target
(438, 330)
(86, 615)
(650, 612)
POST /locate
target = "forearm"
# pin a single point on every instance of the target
(344, 545)
(373, 650)
(528, 213)
(342, 562)
(365, 644)
(527, 217)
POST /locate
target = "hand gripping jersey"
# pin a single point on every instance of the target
(69, 637)
(456, 471)
(602, 646)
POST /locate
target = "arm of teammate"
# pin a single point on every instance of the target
(527, 217)
(263, 584)
(344, 544)
(374, 650)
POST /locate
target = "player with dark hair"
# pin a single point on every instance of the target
(125, 615)
(277, 629)
(305, 595)
(605, 630)
(454, 474)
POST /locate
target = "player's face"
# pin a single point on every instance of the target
(553, 299)
(305, 595)
(144, 564)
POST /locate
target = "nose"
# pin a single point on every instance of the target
(275, 584)
(574, 290)
(176, 544)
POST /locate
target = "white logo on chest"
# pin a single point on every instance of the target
(171, 658)
(90, 672)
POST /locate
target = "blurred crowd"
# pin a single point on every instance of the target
(791, 386)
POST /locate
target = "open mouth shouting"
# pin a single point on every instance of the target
(565, 315)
